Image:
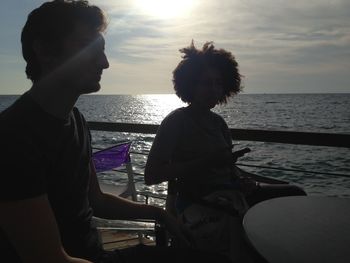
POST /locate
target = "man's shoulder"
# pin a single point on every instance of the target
(17, 111)
(23, 119)
(9, 113)
(11, 120)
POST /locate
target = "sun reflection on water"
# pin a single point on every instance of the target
(154, 108)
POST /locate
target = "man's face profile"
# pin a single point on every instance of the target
(81, 61)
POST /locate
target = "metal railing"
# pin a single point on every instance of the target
(291, 137)
(285, 137)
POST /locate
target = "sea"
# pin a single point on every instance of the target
(328, 113)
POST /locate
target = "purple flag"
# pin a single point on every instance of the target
(112, 157)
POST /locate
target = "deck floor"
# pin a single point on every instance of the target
(116, 239)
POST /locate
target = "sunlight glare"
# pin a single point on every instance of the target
(164, 8)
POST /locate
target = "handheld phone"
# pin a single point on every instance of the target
(242, 152)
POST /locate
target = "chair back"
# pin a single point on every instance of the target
(112, 158)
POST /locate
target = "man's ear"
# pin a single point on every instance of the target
(42, 52)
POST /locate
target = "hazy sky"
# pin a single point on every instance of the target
(281, 46)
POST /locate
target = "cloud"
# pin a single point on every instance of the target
(274, 41)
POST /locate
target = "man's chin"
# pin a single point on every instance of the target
(91, 88)
(96, 87)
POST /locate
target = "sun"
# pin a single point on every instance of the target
(165, 8)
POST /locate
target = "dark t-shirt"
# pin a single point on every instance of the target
(41, 154)
(183, 137)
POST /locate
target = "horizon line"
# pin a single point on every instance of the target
(150, 94)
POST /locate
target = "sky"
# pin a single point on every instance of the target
(281, 46)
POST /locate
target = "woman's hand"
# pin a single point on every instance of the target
(247, 185)
(221, 157)
(225, 156)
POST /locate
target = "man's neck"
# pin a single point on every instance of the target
(54, 99)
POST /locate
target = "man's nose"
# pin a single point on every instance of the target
(103, 61)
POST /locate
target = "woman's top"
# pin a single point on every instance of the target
(185, 135)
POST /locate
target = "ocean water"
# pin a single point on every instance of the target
(328, 113)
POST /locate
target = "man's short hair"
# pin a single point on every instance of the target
(51, 23)
(196, 61)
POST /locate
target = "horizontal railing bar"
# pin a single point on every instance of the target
(292, 137)
(293, 170)
(123, 127)
(289, 137)
(140, 153)
(269, 167)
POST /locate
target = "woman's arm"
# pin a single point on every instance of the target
(159, 166)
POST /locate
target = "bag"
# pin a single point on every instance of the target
(215, 223)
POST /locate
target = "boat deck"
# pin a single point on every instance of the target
(116, 239)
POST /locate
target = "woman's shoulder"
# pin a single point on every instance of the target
(172, 123)
(215, 116)
(175, 115)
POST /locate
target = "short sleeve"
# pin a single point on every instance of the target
(22, 172)
(167, 137)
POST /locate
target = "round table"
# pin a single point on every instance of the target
(300, 229)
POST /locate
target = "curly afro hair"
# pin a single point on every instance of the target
(195, 61)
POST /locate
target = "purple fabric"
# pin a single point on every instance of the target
(112, 157)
